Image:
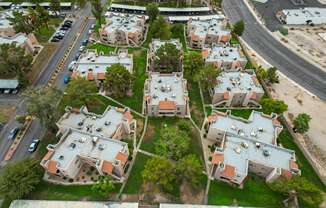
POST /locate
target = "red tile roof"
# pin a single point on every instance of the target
(100, 76)
(167, 105)
(226, 95)
(48, 155)
(293, 165)
(228, 172)
(217, 158)
(287, 174)
(212, 118)
(52, 167)
(107, 167)
(74, 75)
(205, 53)
(127, 115)
(90, 76)
(122, 157)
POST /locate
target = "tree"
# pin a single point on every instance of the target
(161, 29)
(173, 143)
(190, 170)
(160, 172)
(207, 76)
(238, 28)
(55, 5)
(97, 10)
(14, 62)
(193, 63)
(273, 106)
(118, 80)
(167, 58)
(43, 16)
(79, 90)
(152, 11)
(42, 103)
(20, 178)
(21, 22)
(183, 125)
(301, 123)
(177, 30)
(306, 192)
(104, 186)
(271, 75)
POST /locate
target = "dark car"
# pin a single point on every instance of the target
(55, 40)
(13, 133)
(64, 28)
(84, 43)
(33, 146)
(77, 55)
(60, 37)
(67, 25)
(68, 21)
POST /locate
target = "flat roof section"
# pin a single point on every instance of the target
(224, 53)
(126, 23)
(202, 28)
(157, 43)
(9, 83)
(19, 39)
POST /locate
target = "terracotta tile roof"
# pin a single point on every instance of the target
(100, 76)
(212, 118)
(228, 172)
(217, 158)
(127, 115)
(48, 155)
(167, 105)
(226, 95)
(90, 76)
(74, 75)
(52, 167)
(287, 174)
(253, 96)
(204, 53)
(221, 113)
(107, 167)
(122, 157)
(276, 122)
(293, 165)
(225, 38)
(255, 80)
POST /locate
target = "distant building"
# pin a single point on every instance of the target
(237, 89)
(201, 32)
(114, 123)
(123, 29)
(166, 95)
(93, 66)
(245, 146)
(225, 57)
(27, 42)
(304, 16)
(157, 44)
(9, 85)
(6, 29)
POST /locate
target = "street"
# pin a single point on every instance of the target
(299, 70)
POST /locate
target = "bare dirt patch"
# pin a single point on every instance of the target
(150, 132)
(190, 196)
(5, 113)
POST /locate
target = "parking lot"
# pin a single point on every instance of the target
(269, 9)
(62, 30)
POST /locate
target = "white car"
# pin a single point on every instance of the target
(81, 48)
(71, 65)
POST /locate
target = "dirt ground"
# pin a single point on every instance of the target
(307, 42)
(5, 113)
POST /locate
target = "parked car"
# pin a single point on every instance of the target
(67, 25)
(33, 146)
(54, 39)
(64, 27)
(92, 26)
(81, 48)
(66, 79)
(90, 32)
(77, 56)
(71, 65)
(70, 21)
(84, 43)
(13, 133)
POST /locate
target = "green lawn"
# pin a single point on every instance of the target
(102, 48)
(135, 180)
(47, 191)
(44, 34)
(136, 100)
(254, 193)
(196, 107)
(243, 113)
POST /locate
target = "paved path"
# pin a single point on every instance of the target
(300, 71)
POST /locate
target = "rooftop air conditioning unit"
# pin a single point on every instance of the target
(244, 145)
(237, 150)
(258, 145)
(260, 129)
(107, 123)
(266, 153)
(98, 129)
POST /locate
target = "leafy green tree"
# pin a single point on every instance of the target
(104, 186)
(238, 28)
(55, 5)
(306, 191)
(20, 178)
(207, 76)
(173, 143)
(167, 58)
(118, 80)
(79, 90)
(161, 29)
(271, 75)
(273, 106)
(43, 16)
(190, 169)
(193, 63)
(14, 62)
(177, 30)
(42, 103)
(152, 11)
(97, 10)
(160, 172)
(183, 125)
(21, 22)
(301, 123)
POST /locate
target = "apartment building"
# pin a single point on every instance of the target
(114, 123)
(166, 95)
(155, 46)
(27, 42)
(77, 148)
(6, 29)
(237, 89)
(93, 65)
(304, 16)
(248, 145)
(123, 29)
(225, 57)
(201, 32)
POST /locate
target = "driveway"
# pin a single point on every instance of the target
(297, 69)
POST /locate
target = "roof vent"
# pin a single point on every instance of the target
(244, 145)
(101, 147)
(82, 140)
(98, 129)
(253, 134)
(81, 123)
(95, 140)
(258, 145)
(266, 153)
(260, 129)
(61, 157)
(107, 123)
(72, 146)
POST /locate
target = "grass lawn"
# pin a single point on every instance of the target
(44, 34)
(47, 191)
(243, 113)
(196, 107)
(102, 48)
(135, 180)
(286, 140)
(255, 193)
(136, 100)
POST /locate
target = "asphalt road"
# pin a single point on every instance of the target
(36, 130)
(297, 69)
